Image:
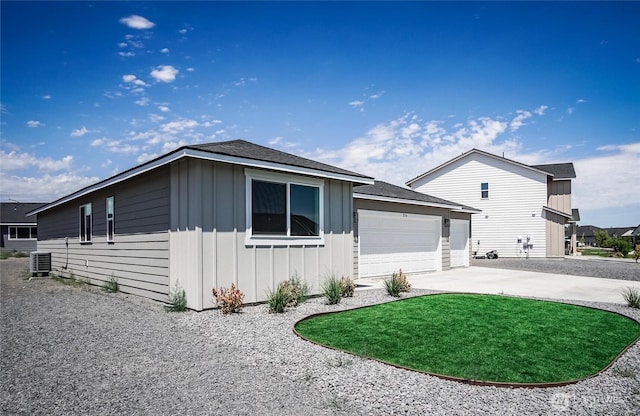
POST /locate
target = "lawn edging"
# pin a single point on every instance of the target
(473, 381)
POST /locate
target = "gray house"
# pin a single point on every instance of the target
(18, 232)
(210, 215)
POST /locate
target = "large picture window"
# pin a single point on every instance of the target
(85, 223)
(282, 208)
(110, 218)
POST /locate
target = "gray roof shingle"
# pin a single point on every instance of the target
(247, 150)
(384, 189)
(15, 212)
(558, 170)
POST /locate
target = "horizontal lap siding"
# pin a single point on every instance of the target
(513, 209)
(139, 255)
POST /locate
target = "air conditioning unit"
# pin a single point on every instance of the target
(40, 262)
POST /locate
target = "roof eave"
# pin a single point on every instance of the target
(186, 151)
(407, 201)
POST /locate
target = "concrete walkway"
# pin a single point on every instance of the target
(519, 283)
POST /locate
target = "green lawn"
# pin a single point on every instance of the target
(479, 337)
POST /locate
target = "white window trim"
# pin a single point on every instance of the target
(113, 217)
(21, 226)
(280, 240)
(90, 236)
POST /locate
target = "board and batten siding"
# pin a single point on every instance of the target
(513, 208)
(139, 255)
(207, 237)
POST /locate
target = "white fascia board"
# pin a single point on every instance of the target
(19, 224)
(200, 154)
(406, 201)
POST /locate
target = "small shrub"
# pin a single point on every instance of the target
(296, 290)
(619, 245)
(111, 285)
(348, 287)
(398, 283)
(228, 300)
(632, 296)
(277, 300)
(332, 290)
(177, 300)
(636, 253)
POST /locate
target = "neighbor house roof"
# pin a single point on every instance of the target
(237, 152)
(556, 170)
(16, 212)
(383, 191)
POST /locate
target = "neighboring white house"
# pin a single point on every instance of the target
(524, 208)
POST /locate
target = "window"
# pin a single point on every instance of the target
(85, 223)
(484, 190)
(110, 218)
(23, 232)
(283, 208)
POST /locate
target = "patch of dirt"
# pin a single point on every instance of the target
(15, 279)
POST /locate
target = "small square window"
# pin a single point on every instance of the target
(484, 190)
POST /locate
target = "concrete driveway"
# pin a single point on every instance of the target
(519, 283)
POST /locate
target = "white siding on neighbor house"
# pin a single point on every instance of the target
(513, 208)
(207, 237)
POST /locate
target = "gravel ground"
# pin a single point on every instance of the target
(69, 350)
(587, 266)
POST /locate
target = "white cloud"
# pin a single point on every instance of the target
(142, 102)
(540, 110)
(42, 188)
(145, 157)
(376, 95)
(581, 101)
(123, 44)
(46, 97)
(519, 120)
(17, 161)
(190, 69)
(79, 132)
(602, 180)
(178, 126)
(126, 54)
(356, 103)
(165, 73)
(182, 31)
(164, 50)
(164, 108)
(34, 124)
(132, 79)
(155, 118)
(137, 22)
(570, 110)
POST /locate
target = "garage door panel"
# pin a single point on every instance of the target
(459, 243)
(391, 241)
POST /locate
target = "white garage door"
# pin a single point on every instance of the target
(459, 243)
(390, 241)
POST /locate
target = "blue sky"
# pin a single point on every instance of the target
(90, 89)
